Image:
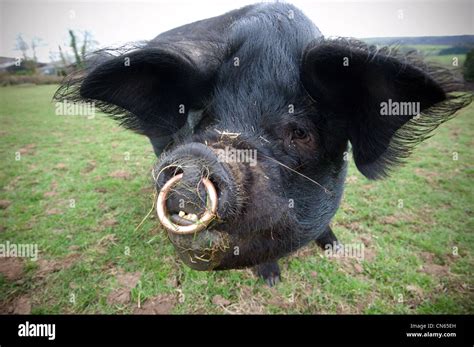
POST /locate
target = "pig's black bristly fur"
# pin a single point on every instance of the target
(140, 86)
(372, 75)
(242, 71)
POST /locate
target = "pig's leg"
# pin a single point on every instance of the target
(326, 238)
(269, 272)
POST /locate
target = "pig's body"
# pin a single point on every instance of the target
(262, 80)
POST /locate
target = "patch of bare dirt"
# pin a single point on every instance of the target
(366, 239)
(436, 270)
(110, 222)
(46, 267)
(127, 281)
(415, 290)
(369, 253)
(22, 305)
(352, 226)
(358, 268)
(121, 174)
(19, 305)
(425, 215)
(11, 268)
(350, 265)
(308, 250)
(28, 149)
(455, 133)
(220, 301)
(430, 267)
(430, 176)
(120, 296)
(53, 211)
(61, 166)
(91, 165)
(161, 304)
(420, 220)
(416, 296)
(427, 256)
(390, 220)
(364, 302)
(4, 204)
(52, 192)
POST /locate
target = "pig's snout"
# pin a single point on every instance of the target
(197, 195)
(194, 189)
(180, 220)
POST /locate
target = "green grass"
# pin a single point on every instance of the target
(431, 52)
(409, 266)
(429, 49)
(454, 60)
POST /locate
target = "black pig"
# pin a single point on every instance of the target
(252, 113)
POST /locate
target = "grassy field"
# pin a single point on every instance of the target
(82, 186)
(431, 52)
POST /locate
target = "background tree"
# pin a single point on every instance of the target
(35, 43)
(469, 66)
(22, 46)
(27, 66)
(73, 44)
(86, 43)
(63, 56)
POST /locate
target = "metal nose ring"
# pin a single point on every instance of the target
(201, 223)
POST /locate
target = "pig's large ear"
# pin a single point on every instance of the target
(149, 90)
(355, 83)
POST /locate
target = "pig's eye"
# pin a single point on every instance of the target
(300, 134)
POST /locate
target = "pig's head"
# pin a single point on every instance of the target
(251, 114)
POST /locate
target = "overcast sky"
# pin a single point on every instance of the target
(115, 22)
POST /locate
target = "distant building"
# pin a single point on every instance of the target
(48, 69)
(9, 65)
(6, 63)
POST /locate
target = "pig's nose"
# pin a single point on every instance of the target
(187, 201)
(194, 188)
(189, 182)
(188, 194)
